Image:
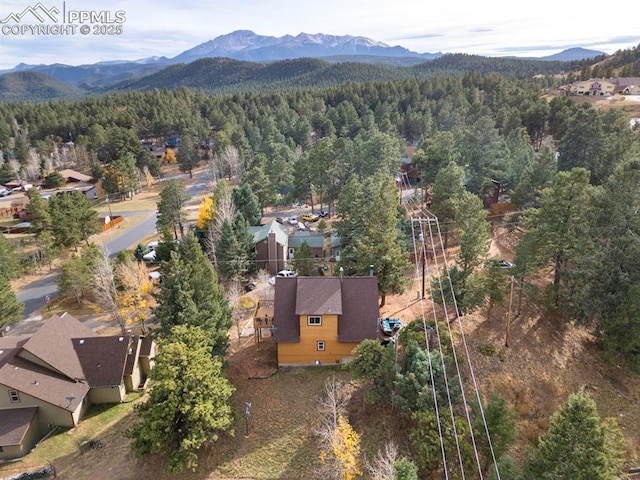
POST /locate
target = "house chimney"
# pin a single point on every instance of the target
(371, 270)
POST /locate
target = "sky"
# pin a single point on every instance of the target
(167, 28)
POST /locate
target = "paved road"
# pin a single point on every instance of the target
(33, 295)
(132, 235)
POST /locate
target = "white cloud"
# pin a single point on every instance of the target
(164, 27)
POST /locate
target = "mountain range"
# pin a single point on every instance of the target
(242, 46)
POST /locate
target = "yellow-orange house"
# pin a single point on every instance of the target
(320, 320)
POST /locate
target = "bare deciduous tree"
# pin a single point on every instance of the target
(233, 293)
(332, 405)
(381, 467)
(105, 287)
(224, 210)
(262, 285)
(230, 160)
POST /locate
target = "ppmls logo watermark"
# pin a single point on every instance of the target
(39, 20)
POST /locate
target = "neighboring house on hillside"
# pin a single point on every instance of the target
(71, 176)
(315, 242)
(271, 241)
(52, 377)
(604, 86)
(320, 320)
(335, 245)
(76, 181)
(410, 173)
(596, 87)
(629, 85)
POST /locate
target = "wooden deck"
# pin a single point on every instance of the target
(262, 318)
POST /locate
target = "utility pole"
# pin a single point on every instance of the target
(506, 333)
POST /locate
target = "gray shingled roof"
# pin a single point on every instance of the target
(360, 301)
(284, 311)
(318, 296)
(39, 382)
(103, 359)
(51, 344)
(14, 424)
(353, 299)
(145, 348)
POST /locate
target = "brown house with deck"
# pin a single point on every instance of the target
(320, 320)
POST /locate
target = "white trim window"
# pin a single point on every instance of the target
(314, 320)
(321, 345)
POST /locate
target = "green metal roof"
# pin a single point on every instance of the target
(261, 232)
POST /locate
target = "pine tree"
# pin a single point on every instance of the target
(191, 295)
(37, 211)
(247, 204)
(170, 214)
(303, 261)
(230, 255)
(188, 405)
(575, 446)
(8, 259)
(10, 309)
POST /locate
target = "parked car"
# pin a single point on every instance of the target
(4, 192)
(505, 264)
(323, 214)
(279, 219)
(150, 257)
(292, 221)
(310, 217)
(301, 226)
(282, 274)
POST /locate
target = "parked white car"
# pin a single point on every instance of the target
(282, 274)
(4, 192)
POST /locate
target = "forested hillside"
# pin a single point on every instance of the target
(35, 87)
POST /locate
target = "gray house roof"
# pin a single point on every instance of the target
(14, 424)
(103, 359)
(51, 344)
(35, 380)
(353, 299)
(262, 232)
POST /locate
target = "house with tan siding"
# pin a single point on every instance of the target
(320, 320)
(50, 379)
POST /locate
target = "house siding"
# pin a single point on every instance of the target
(51, 413)
(305, 351)
(31, 437)
(114, 394)
(14, 451)
(132, 382)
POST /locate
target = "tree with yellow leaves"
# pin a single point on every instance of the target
(169, 157)
(340, 444)
(133, 297)
(205, 213)
(346, 449)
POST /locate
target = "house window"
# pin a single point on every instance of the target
(321, 346)
(314, 320)
(14, 396)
